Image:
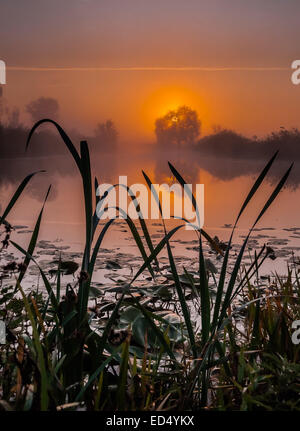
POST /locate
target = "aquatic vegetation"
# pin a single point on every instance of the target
(136, 345)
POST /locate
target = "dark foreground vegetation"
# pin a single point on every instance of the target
(73, 348)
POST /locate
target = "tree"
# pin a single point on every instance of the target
(44, 107)
(180, 126)
(106, 133)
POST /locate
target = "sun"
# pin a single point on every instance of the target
(168, 98)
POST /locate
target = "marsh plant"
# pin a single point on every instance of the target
(72, 348)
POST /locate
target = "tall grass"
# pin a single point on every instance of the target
(72, 363)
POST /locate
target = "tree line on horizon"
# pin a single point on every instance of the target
(13, 133)
(178, 130)
(181, 129)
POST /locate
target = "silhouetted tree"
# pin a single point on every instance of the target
(106, 133)
(180, 126)
(44, 107)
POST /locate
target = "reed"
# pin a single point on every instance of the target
(54, 359)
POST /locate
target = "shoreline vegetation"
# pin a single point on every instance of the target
(73, 349)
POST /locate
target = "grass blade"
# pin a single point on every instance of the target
(184, 307)
(64, 136)
(33, 240)
(250, 195)
(16, 195)
(45, 280)
(40, 353)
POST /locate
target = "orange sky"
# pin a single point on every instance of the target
(228, 59)
(251, 102)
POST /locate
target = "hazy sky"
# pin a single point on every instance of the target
(98, 40)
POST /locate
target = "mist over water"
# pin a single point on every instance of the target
(226, 183)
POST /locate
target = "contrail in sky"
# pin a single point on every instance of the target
(146, 69)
